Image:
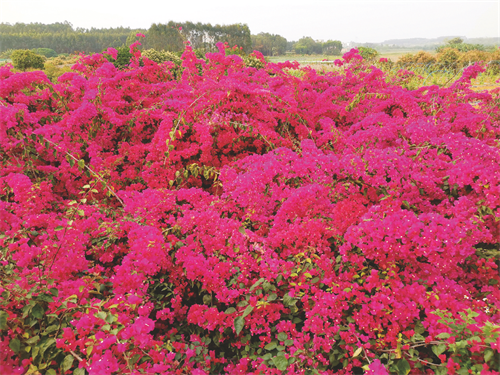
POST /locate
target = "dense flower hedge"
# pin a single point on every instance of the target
(218, 218)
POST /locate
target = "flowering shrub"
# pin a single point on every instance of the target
(229, 218)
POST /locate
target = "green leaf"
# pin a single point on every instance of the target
(443, 335)
(248, 310)
(288, 300)
(272, 345)
(280, 362)
(58, 228)
(71, 161)
(239, 323)
(54, 292)
(79, 371)
(488, 354)
(207, 299)
(67, 363)
(33, 340)
(51, 372)
(51, 328)
(37, 311)
(45, 298)
(282, 336)
(15, 345)
(438, 349)
(419, 328)
(81, 164)
(3, 320)
(135, 358)
(260, 281)
(241, 230)
(230, 310)
(403, 367)
(271, 297)
(81, 212)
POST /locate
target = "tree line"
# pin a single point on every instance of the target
(62, 37)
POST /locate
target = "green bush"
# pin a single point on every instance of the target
(368, 53)
(161, 56)
(122, 59)
(449, 58)
(419, 58)
(26, 59)
(253, 62)
(53, 71)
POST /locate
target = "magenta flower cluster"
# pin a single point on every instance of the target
(219, 218)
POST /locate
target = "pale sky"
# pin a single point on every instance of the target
(345, 20)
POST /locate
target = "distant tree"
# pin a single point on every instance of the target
(171, 36)
(269, 44)
(455, 41)
(332, 47)
(61, 37)
(461, 47)
(25, 59)
(165, 37)
(308, 46)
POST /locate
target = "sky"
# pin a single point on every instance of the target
(345, 20)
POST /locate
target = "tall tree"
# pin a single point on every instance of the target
(269, 44)
(332, 47)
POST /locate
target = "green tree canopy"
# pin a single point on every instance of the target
(269, 44)
(308, 46)
(332, 47)
(171, 36)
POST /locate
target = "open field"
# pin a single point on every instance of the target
(393, 54)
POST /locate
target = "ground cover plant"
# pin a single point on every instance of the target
(224, 216)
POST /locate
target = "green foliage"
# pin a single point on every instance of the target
(171, 36)
(122, 59)
(269, 44)
(162, 56)
(6, 54)
(449, 57)
(54, 71)
(253, 62)
(458, 44)
(456, 40)
(25, 59)
(471, 346)
(421, 58)
(368, 53)
(308, 46)
(62, 37)
(332, 47)
(47, 52)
